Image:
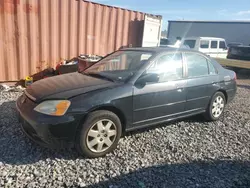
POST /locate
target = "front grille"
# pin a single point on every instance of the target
(25, 104)
(23, 99)
(29, 96)
(30, 132)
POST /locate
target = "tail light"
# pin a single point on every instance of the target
(229, 50)
(58, 65)
(235, 76)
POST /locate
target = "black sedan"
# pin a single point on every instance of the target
(126, 90)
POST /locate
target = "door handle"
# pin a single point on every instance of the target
(179, 87)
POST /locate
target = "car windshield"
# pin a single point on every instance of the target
(119, 66)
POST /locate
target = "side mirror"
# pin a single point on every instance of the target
(148, 78)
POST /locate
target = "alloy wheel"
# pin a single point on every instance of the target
(101, 136)
(218, 106)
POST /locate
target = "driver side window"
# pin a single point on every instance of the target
(169, 67)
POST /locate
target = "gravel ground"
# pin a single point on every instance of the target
(188, 153)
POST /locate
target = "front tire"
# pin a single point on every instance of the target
(216, 107)
(99, 134)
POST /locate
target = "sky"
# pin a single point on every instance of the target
(187, 9)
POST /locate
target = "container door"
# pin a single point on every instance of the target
(151, 31)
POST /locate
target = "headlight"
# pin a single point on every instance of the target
(53, 107)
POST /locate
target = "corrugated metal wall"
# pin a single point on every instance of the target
(36, 34)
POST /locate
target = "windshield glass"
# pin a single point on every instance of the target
(119, 66)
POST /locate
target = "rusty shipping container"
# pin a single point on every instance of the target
(36, 34)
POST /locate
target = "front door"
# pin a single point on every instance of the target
(156, 102)
(222, 51)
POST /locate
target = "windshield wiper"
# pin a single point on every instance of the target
(98, 76)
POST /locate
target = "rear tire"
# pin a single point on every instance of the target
(216, 107)
(99, 134)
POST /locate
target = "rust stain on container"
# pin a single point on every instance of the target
(36, 34)
(12, 1)
(30, 8)
(8, 6)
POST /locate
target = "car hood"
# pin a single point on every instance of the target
(65, 86)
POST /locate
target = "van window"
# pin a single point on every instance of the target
(214, 44)
(222, 45)
(190, 43)
(165, 41)
(204, 44)
(196, 64)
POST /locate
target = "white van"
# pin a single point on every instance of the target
(214, 47)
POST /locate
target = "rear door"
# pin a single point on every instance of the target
(151, 31)
(200, 82)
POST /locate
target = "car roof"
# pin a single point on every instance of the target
(160, 49)
(208, 38)
(234, 43)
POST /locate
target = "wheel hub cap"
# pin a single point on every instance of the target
(101, 136)
(218, 106)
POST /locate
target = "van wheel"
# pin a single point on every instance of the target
(99, 134)
(216, 107)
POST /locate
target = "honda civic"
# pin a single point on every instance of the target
(128, 89)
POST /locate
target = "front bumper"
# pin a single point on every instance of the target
(48, 131)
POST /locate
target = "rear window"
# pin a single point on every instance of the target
(166, 42)
(190, 43)
(196, 64)
(211, 68)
